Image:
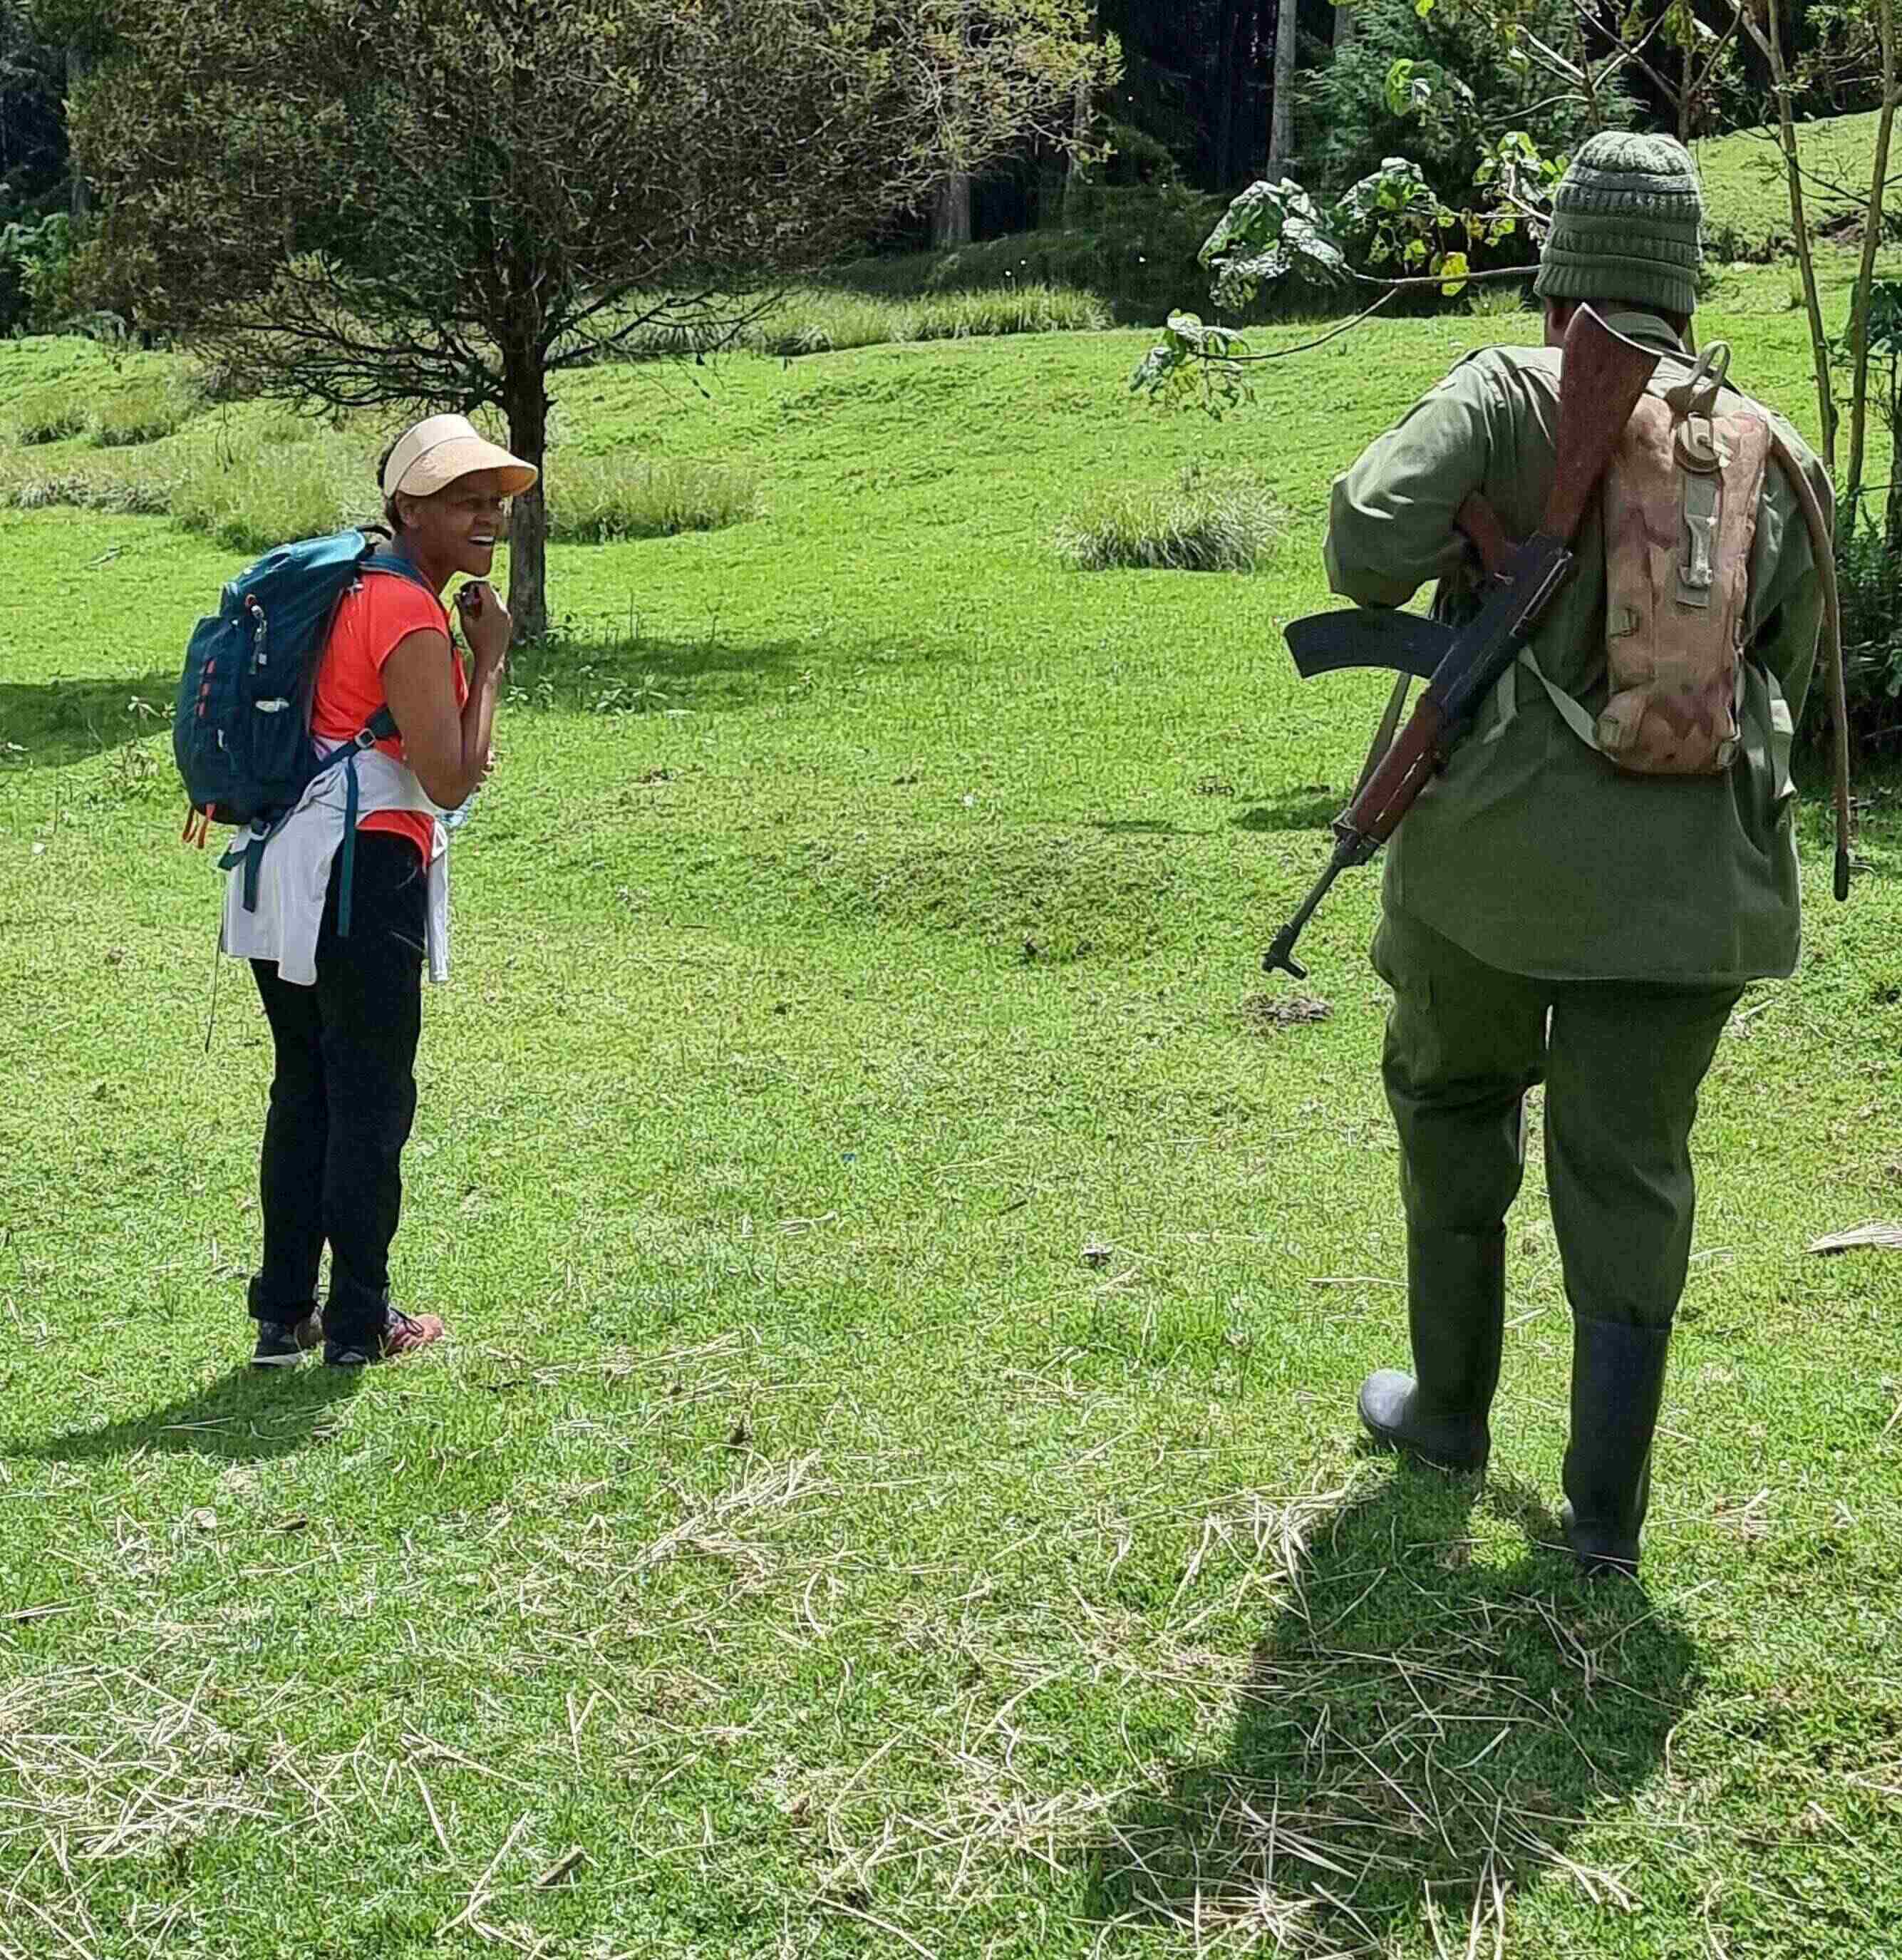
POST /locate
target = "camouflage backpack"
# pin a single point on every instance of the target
(1680, 503)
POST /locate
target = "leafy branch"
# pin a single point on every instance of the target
(1390, 217)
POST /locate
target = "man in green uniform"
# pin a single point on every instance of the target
(1547, 918)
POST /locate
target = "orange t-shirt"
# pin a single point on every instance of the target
(372, 621)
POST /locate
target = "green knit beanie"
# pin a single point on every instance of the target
(1626, 223)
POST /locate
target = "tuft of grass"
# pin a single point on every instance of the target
(50, 412)
(262, 476)
(1220, 522)
(604, 499)
(146, 408)
(825, 320)
(120, 487)
(231, 484)
(1498, 299)
(247, 496)
(822, 323)
(1031, 307)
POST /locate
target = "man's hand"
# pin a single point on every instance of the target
(486, 626)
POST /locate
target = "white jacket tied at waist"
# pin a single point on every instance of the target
(294, 874)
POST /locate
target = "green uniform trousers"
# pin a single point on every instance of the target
(1621, 1060)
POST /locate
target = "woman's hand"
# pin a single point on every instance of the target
(486, 626)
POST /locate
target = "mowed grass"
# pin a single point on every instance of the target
(892, 1488)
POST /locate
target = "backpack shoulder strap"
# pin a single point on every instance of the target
(382, 557)
(382, 726)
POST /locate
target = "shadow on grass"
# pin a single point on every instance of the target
(630, 671)
(244, 1415)
(47, 724)
(1313, 806)
(1419, 1737)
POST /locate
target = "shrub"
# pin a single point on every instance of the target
(50, 413)
(1868, 577)
(35, 264)
(1133, 249)
(144, 409)
(1348, 127)
(1205, 523)
(603, 499)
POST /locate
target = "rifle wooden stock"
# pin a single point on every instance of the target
(1402, 772)
(1599, 384)
(1485, 533)
(1603, 377)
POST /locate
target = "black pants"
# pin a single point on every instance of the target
(344, 1095)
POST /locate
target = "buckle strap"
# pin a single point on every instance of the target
(247, 849)
(349, 845)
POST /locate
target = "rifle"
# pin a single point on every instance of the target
(1601, 378)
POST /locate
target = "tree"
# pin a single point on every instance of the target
(369, 203)
(1198, 80)
(1872, 228)
(1442, 87)
(76, 32)
(1281, 133)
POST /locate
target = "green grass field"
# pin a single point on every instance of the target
(892, 1489)
(1746, 190)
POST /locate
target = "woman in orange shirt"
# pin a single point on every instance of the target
(343, 1096)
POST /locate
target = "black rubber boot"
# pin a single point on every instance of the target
(1456, 1314)
(1617, 1386)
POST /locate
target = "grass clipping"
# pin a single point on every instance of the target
(1205, 523)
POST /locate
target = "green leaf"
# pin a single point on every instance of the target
(1454, 269)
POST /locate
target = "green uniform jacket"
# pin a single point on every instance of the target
(1531, 851)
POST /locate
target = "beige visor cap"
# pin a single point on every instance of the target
(432, 455)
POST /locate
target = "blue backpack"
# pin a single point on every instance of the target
(241, 725)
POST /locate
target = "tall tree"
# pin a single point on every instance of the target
(360, 203)
(1198, 80)
(1281, 132)
(951, 205)
(81, 32)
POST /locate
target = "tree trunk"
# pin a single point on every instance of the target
(1225, 80)
(1770, 45)
(951, 214)
(1344, 28)
(525, 393)
(1865, 272)
(1281, 125)
(76, 73)
(1084, 114)
(1892, 518)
